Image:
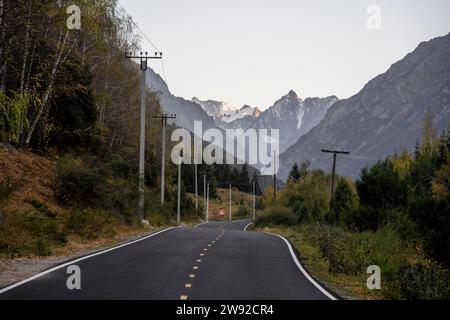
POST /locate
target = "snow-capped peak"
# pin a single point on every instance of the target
(215, 109)
(243, 112)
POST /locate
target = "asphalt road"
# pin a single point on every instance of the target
(214, 261)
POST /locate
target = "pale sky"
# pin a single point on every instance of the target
(254, 51)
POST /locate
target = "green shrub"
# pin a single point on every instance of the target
(92, 224)
(13, 119)
(43, 248)
(121, 169)
(419, 282)
(79, 186)
(7, 187)
(309, 198)
(276, 216)
(352, 253)
(30, 233)
(44, 227)
(242, 212)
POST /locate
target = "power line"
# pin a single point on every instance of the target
(146, 38)
(137, 27)
(364, 158)
(164, 71)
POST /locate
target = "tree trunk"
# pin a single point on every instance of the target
(2, 47)
(106, 85)
(30, 66)
(2, 36)
(26, 53)
(3, 77)
(47, 91)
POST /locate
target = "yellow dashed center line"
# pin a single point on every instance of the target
(192, 275)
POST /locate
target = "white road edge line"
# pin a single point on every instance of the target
(245, 229)
(15, 285)
(299, 265)
(200, 224)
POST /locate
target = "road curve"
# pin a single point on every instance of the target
(213, 261)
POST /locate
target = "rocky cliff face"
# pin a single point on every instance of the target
(292, 116)
(385, 117)
(187, 111)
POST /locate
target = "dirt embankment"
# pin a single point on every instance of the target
(29, 176)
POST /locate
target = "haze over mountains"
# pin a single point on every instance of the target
(385, 117)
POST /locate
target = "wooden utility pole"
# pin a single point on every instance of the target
(333, 174)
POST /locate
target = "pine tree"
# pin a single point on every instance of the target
(294, 175)
(304, 167)
(245, 185)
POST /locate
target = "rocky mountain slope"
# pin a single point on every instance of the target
(385, 117)
(291, 115)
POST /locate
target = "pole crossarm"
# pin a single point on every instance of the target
(335, 151)
(164, 117)
(143, 57)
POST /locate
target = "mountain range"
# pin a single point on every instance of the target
(385, 117)
(291, 115)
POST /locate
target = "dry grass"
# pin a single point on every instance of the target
(34, 177)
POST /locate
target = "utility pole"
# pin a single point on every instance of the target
(179, 192)
(196, 189)
(143, 66)
(163, 118)
(254, 200)
(207, 204)
(204, 190)
(230, 204)
(335, 153)
(274, 180)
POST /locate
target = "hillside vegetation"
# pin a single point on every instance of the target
(69, 132)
